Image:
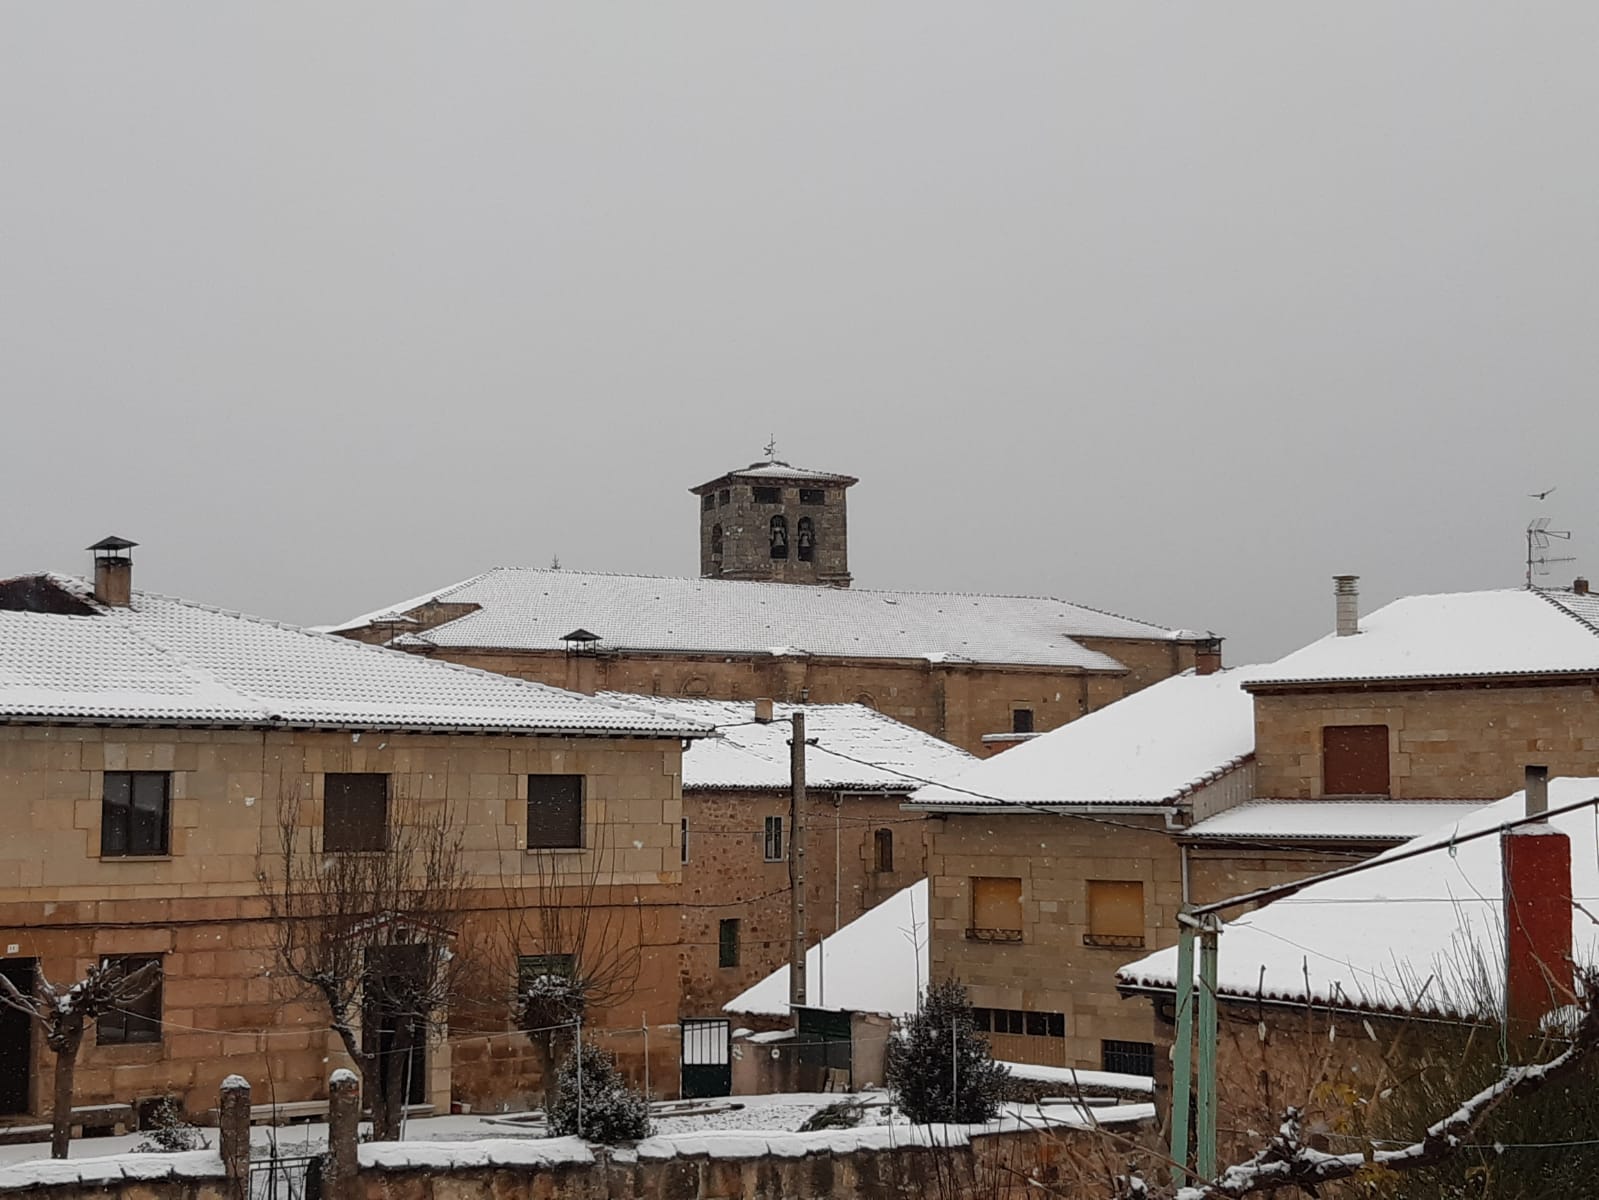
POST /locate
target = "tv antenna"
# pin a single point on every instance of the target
(1538, 541)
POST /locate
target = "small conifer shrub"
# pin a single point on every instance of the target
(600, 1108)
(940, 1068)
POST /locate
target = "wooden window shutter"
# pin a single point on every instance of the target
(1115, 913)
(1354, 760)
(997, 904)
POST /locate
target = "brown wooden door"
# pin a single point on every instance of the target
(1354, 760)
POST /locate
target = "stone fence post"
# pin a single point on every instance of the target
(233, 1134)
(344, 1123)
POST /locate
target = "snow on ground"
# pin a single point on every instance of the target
(676, 1121)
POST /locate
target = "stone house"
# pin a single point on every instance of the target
(150, 748)
(1087, 840)
(1335, 992)
(956, 666)
(861, 847)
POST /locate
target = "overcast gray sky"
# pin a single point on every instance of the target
(1173, 310)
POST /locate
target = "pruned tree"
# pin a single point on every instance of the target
(941, 1068)
(370, 934)
(65, 1013)
(568, 948)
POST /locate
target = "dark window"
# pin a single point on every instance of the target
(716, 541)
(1008, 1020)
(773, 848)
(779, 536)
(532, 966)
(981, 1018)
(1021, 720)
(135, 815)
(768, 495)
(554, 812)
(883, 843)
(137, 1020)
(708, 501)
(355, 812)
(805, 539)
(1128, 1058)
(1354, 760)
(685, 838)
(724, 497)
(727, 942)
(812, 496)
(1037, 1024)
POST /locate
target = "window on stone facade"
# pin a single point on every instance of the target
(996, 910)
(135, 814)
(779, 536)
(708, 502)
(1354, 760)
(530, 967)
(1127, 1058)
(727, 942)
(768, 495)
(355, 812)
(1021, 720)
(724, 498)
(772, 840)
(554, 812)
(684, 830)
(1115, 913)
(138, 1020)
(883, 847)
(813, 496)
(805, 539)
(1017, 1021)
(716, 542)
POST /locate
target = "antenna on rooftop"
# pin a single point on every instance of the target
(771, 448)
(1538, 541)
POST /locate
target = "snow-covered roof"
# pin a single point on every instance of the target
(777, 469)
(1152, 747)
(1372, 939)
(166, 660)
(1336, 820)
(528, 608)
(1458, 634)
(857, 749)
(875, 964)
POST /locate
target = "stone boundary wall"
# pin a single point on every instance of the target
(872, 1163)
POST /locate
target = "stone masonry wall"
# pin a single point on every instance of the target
(726, 877)
(1467, 742)
(746, 534)
(200, 907)
(957, 703)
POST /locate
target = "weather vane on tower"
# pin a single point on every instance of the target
(771, 448)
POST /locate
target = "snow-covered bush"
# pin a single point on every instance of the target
(169, 1131)
(846, 1114)
(940, 1068)
(593, 1101)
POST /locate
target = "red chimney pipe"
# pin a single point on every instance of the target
(1537, 907)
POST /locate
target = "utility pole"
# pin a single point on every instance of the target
(796, 862)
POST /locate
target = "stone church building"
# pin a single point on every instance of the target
(772, 614)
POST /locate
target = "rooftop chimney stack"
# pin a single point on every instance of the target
(113, 571)
(1537, 915)
(1579, 586)
(1207, 656)
(1348, 597)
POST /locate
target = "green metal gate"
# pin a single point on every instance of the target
(707, 1063)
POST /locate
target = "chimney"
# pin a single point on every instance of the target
(1348, 597)
(1537, 911)
(1207, 656)
(1579, 586)
(113, 571)
(764, 710)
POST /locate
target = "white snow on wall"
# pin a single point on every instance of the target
(1371, 939)
(1355, 820)
(1148, 748)
(875, 964)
